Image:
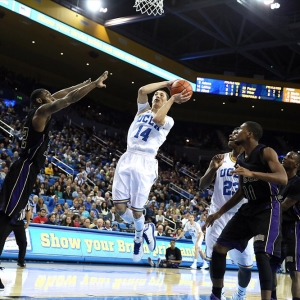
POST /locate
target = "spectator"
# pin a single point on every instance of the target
(51, 219)
(41, 218)
(41, 205)
(42, 189)
(173, 258)
(75, 220)
(83, 211)
(160, 231)
(88, 203)
(67, 221)
(159, 216)
(87, 224)
(58, 192)
(95, 210)
(100, 224)
(50, 191)
(49, 170)
(67, 194)
(104, 209)
(107, 226)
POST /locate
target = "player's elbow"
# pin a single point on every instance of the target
(142, 91)
(158, 121)
(283, 179)
(202, 184)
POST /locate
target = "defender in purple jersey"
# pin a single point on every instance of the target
(21, 177)
(259, 172)
(289, 196)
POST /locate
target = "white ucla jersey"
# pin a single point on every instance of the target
(145, 136)
(226, 185)
(193, 230)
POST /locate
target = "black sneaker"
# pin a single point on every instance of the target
(1, 285)
(21, 265)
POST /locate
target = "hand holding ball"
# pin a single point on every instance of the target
(181, 85)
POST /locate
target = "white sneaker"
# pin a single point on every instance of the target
(237, 296)
(150, 261)
(205, 265)
(149, 237)
(194, 266)
(158, 262)
(138, 249)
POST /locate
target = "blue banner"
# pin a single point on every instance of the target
(59, 243)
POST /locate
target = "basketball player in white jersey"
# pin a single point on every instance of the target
(137, 168)
(197, 235)
(225, 186)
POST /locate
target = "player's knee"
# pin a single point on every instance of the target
(137, 214)
(265, 271)
(120, 208)
(220, 249)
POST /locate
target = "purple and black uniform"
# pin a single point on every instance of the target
(19, 181)
(290, 245)
(261, 216)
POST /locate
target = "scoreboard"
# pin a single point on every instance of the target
(291, 95)
(239, 89)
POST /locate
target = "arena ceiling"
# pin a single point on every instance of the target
(189, 29)
(244, 37)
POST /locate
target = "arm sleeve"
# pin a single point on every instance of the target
(169, 123)
(142, 106)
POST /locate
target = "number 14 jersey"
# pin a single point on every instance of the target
(226, 184)
(145, 136)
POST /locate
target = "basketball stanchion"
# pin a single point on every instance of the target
(151, 7)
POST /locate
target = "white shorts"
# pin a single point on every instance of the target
(134, 176)
(244, 259)
(199, 242)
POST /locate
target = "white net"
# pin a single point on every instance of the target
(151, 7)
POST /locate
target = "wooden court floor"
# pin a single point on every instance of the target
(78, 281)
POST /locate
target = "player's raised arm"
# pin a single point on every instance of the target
(210, 173)
(51, 106)
(62, 93)
(150, 88)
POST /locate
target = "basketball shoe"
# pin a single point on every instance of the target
(238, 296)
(151, 263)
(205, 265)
(138, 249)
(149, 237)
(194, 266)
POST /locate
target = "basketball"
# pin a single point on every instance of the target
(179, 85)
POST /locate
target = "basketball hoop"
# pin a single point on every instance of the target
(151, 7)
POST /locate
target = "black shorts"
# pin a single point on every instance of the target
(17, 187)
(261, 221)
(290, 246)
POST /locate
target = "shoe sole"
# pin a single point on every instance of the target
(146, 238)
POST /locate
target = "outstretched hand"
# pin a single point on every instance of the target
(182, 97)
(99, 81)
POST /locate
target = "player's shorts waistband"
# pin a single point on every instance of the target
(141, 153)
